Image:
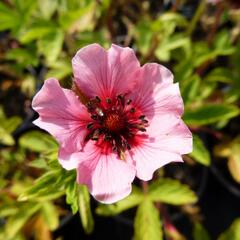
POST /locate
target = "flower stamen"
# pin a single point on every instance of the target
(113, 123)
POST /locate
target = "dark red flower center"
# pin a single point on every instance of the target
(116, 122)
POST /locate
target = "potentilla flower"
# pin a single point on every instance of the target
(119, 120)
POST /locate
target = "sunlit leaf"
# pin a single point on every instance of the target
(38, 141)
(11, 124)
(233, 232)
(47, 7)
(44, 188)
(60, 69)
(163, 51)
(8, 17)
(200, 233)
(232, 152)
(172, 192)
(200, 153)
(85, 208)
(147, 223)
(6, 138)
(23, 56)
(50, 215)
(220, 75)
(51, 45)
(17, 221)
(79, 19)
(72, 196)
(189, 88)
(38, 163)
(37, 31)
(210, 113)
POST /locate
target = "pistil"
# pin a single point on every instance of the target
(115, 122)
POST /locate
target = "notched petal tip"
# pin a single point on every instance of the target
(48, 83)
(113, 197)
(68, 160)
(107, 178)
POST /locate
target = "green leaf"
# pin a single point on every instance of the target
(223, 43)
(220, 75)
(172, 192)
(11, 124)
(200, 233)
(38, 163)
(234, 158)
(60, 69)
(50, 215)
(6, 138)
(22, 56)
(17, 221)
(147, 223)
(85, 209)
(210, 113)
(38, 142)
(233, 233)
(8, 18)
(47, 7)
(189, 88)
(200, 153)
(71, 195)
(7, 210)
(8, 125)
(51, 45)
(163, 51)
(44, 188)
(144, 36)
(135, 198)
(37, 31)
(79, 19)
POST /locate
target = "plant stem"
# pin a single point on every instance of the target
(196, 17)
(144, 187)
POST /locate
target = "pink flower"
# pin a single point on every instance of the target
(120, 120)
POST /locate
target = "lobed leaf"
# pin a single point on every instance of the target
(18, 220)
(38, 142)
(233, 232)
(200, 153)
(210, 113)
(199, 232)
(147, 224)
(85, 209)
(172, 192)
(50, 215)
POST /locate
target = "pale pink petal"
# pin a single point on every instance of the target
(69, 160)
(107, 177)
(161, 145)
(61, 114)
(155, 93)
(148, 158)
(105, 73)
(178, 139)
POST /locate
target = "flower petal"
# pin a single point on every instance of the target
(162, 145)
(148, 158)
(107, 177)
(103, 73)
(155, 92)
(61, 114)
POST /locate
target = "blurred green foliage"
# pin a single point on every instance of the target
(38, 40)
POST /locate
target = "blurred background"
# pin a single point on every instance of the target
(197, 40)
